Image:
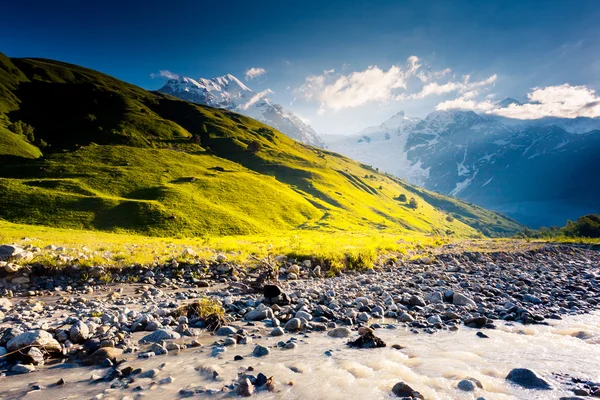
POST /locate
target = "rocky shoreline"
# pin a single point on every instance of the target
(77, 315)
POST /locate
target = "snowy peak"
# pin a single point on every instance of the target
(230, 93)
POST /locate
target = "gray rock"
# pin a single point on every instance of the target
(245, 388)
(38, 338)
(260, 351)
(259, 313)
(34, 356)
(460, 299)
(434, 298)
(226, 331)
(304, 314)
(466, 385)
(528, 379)
(5, 304)
(161, 334)
(9, 251)
(405, 317)
(277, 332)
(79, 332)
(341, 332)
(22, 368)
(293, 325)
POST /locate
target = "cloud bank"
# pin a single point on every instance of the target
(562, 101)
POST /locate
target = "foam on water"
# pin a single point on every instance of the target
(431, 364)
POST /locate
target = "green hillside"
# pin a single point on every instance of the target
(80, 149)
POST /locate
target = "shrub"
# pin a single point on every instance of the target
(254, 147)
(21, 128)
(586, 226)
(449, 218)
(413, 203)
(402, 198)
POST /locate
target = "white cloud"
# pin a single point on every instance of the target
(464, 103)
(335, 92)
(255, 72)
(563, 101)
(256, 98)
(357, 88)
(165, 74)
(465, 86)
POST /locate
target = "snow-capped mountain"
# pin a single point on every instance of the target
(540, 172)
(230, 93)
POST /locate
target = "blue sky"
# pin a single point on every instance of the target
(521, 44)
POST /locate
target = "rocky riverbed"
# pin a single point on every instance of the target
(119, 335)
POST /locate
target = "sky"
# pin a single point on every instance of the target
(341, 65)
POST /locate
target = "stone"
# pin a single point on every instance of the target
(260, 351)
(434, 319)
(294, 269)
(7, 252)
(416, 301)
(159, 335)
(38, 338)
(270, 291)
(277, 332)
(245, 388)
(341, 332)
(34, 356)
(368, 341)
(401, 389)
(226, 331)
(103, 353)
(434, 298)
(528, 379)
(293, 325)
(291, 276)
(79, 332)
(5, 304)
(22, 368)
(304, 315)
(460, 299)
(259, 313)
(405, 317)
(466, 385)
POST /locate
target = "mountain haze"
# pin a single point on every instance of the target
(535, 171)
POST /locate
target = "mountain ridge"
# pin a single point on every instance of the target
(80, 149)
(230, 93)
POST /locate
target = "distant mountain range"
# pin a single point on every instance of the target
(230, 93)
(540, 172)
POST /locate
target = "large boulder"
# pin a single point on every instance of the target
(38, 338)
(528, 379)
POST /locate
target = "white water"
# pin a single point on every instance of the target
(431, 364)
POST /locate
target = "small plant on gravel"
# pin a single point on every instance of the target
(208, 310)
(106, 278)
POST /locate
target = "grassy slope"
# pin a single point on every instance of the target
(122, 159)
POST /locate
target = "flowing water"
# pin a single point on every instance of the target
(431, 364)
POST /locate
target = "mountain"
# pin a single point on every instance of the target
(230, 93)
(537, 171)
(80, 149)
